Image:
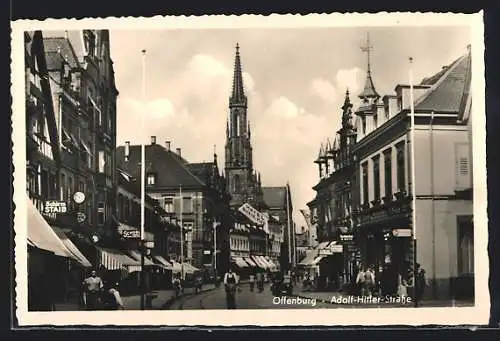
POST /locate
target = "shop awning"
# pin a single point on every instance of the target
(137, 256)
(249, 261)
(240, 262)
(310, 256)
(115, 260)
(41, 234)
(176, 266)
(259, 262)
(189, 268)
(163, 262)
(271, 263)
(72, 247)
(317, 260)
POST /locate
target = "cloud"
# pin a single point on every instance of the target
(323, 89)
(351, 79)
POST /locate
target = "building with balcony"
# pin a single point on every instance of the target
(442, 164)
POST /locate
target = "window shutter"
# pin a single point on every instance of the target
(462, 167)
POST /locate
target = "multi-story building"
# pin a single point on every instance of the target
(443, 228)
(169, 177)
(74, 192)
(279, 207)
(334, 202)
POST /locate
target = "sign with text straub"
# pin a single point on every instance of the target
(252, 214)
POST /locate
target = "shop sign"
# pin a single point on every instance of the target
(149, 245)
(207, 252)
(325, 252)
(252, 214)
(402, 233)
(347, 239)
(52, 207)
(131, 234)
(337, 248)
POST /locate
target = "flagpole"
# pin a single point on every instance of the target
(413, 187)
(143, 176)
(182, 232)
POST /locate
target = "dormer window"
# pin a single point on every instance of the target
(151, 179)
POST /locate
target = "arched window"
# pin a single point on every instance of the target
(236, 184)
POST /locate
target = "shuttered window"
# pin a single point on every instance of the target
(462, 167)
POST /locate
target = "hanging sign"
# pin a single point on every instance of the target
(252, 214)
(402, 233)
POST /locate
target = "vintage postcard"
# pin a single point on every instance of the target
(250, 170)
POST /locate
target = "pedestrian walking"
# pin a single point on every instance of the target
(420, 284)
(365, 280)
(231, 283)
(111, 298)
(402, 286)
(251, 280)
(92, 288)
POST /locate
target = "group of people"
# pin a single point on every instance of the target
(232, 285)
(100, 295)
(368, 285)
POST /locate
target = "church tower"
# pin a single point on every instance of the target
(242, 182)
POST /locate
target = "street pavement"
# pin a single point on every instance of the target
(216, 299)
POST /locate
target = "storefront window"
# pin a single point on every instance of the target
(388, 173)
(364, 171)
(465, 246)
(401, 179)
(376, 177)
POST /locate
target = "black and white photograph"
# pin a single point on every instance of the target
(330, 168)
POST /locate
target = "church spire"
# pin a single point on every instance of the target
(248, 130)
(369, 89)
(238, 94)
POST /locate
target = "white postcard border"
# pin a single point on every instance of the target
(330, 317)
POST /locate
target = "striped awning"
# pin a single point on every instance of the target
(249, 261)
(163, 262)
(115, 260)
(317, 260)
(309, 259)
(240, 262)
(137, 256)
(81, 259)
(259, 262)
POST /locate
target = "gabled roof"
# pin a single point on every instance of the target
(172, 170)
(57, 49)
(449, 86)
(275, 197)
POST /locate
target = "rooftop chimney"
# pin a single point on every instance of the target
(127, 150)
(179, 151)
(167, 143)
(66, 34)
(153, 140)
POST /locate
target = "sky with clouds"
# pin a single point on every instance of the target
(295, 80)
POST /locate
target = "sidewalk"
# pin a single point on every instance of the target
(352, 301)
(161, 298)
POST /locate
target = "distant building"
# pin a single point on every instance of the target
(204, 200)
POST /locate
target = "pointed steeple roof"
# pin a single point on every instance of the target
(369, 89)
(238, 94)
(320, 154)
